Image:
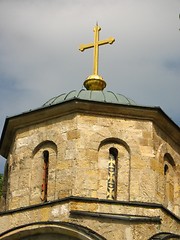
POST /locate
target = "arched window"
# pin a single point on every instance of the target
(169, 178)
(44, 157)
(112, 174)
(45, 176)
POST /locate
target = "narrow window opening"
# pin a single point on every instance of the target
(112, 174)
(114, 152)
(165, 169)
(45, 176)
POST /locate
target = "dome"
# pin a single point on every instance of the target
(90, 95)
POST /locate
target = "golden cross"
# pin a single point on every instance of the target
(96, 45)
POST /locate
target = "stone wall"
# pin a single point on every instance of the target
(118, 221)
(78, 147)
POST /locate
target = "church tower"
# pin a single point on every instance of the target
(91, 165)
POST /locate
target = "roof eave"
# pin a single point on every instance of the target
(154, 114)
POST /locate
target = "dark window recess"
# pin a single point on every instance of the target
(45, 176)
(165, 169)
(112, 174)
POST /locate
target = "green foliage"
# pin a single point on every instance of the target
(1, 183)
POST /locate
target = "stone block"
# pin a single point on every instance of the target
(73, 134)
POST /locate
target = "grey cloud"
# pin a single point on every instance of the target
(39, 55)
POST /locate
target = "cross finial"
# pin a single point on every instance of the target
(94, 81)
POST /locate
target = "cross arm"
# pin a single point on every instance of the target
(109, 40)
(90, 45)
(85, 46)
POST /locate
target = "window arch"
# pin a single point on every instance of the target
(45, 176)
(169, 179)
(45, 144)
(52, 229)
(114, 169)
(43, 169)
(164, 235)
(168, 158)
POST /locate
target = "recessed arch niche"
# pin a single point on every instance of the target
(169, 180)
(121, 151)
(37, 171)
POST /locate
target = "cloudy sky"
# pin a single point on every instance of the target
(39, 56)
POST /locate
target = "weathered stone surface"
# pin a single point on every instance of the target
(107, 227)
(77, 140)
(79, 150)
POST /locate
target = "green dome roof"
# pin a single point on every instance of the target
(90, 95)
